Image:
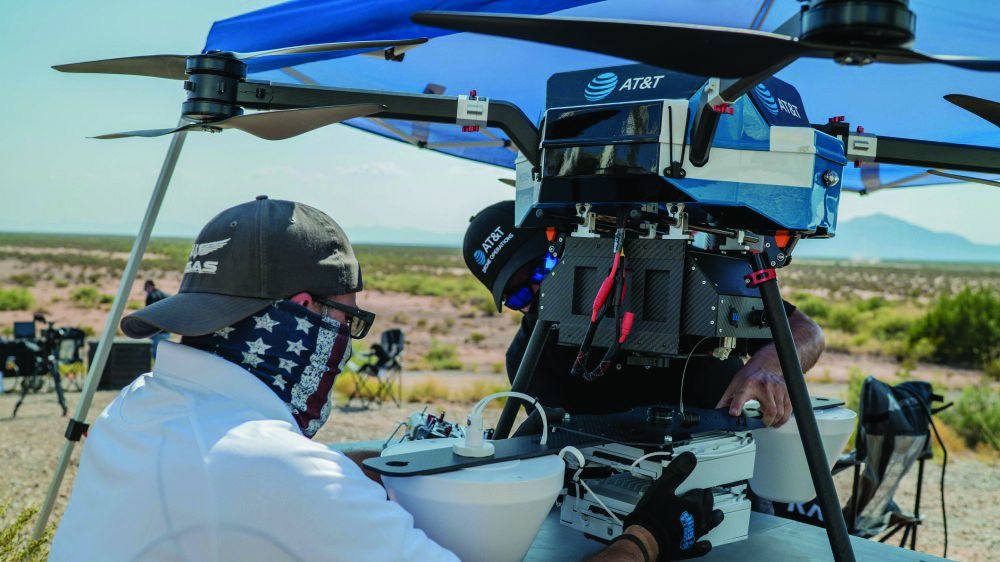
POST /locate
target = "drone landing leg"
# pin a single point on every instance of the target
(791, 368)
(522, 380)
(76, 423)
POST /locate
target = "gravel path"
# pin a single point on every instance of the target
(30, 444)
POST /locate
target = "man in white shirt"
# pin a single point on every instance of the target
(210, 456)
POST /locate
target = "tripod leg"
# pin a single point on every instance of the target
(57, 383)
(805, 419)
(20, 400)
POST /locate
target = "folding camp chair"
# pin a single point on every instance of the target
(894, 433)
(384, 367)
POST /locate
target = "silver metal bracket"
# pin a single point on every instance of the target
(862, 146)
(472, 111)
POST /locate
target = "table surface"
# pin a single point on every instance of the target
(770, 539)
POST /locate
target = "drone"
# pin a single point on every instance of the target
(632, 164)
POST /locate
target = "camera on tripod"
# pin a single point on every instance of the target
(32, 355)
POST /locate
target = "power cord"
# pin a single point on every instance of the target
(577, 481)
(684, 371)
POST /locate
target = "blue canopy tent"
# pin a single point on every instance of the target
(894, 100)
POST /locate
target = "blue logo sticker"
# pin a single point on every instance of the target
(601, 86)
(687, 523)
(767, 99)
(479, 256)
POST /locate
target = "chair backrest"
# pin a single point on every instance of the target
(893, 433)
(393, 342)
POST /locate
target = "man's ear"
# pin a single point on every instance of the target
(302, 299)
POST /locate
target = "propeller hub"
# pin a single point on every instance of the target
(212, 86)
(877, 23)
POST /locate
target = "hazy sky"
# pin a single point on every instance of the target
(52, 178)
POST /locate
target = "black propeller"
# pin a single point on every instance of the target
(988, 110)
(172, 66)
(269, 125)
(696, 49)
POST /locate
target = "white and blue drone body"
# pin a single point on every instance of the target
(609, 137)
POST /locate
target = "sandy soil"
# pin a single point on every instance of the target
(31, 444)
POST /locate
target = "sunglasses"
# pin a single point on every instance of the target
(358, 321)
(524, 296)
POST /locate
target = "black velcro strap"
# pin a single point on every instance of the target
(636, 541)
(76, 429)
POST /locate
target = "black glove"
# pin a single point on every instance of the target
(676, 522)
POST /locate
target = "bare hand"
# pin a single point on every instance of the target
(754, 384)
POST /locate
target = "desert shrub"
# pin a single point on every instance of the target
(477, 337)
(843, 318)
(426, 390)
(22, 279)
(855, 377)
(89, 297)
(816, 308)
(992, 369)
(964, 329)
(442, 357)
(61, 283)
(976, 416)
(870, 304)
(16, 298)
(134, 304)
(15, 541)
(498, 367)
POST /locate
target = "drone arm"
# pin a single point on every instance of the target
(413, 107)
(920, 153)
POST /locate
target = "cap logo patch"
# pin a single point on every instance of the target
(479, 256)
(492, 245)
(203, 249)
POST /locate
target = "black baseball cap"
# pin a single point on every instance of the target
(494, 250)
(247, 257)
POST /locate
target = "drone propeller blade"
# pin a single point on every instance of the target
(173, 66)
(964, 178)
(988, 110)
(156, 66)
(895, 55)
(508, 181)
(334, 47)
(269, 125)
(695, 49)
(288, 123)
(148, 133)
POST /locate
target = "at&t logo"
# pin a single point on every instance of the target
(479, 256)
(601, 86)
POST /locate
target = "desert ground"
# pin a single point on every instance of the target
(474, 340)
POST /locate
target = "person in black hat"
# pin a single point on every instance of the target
(511, 263)
(210, 456)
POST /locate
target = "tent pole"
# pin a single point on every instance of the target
(111, 327)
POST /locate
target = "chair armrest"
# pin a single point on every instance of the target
(847, 460)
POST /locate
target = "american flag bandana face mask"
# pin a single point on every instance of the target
(291, 349)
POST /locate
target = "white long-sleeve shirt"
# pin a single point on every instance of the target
(199, 461)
